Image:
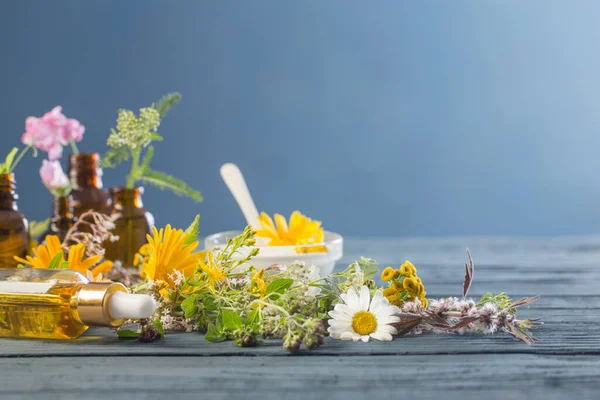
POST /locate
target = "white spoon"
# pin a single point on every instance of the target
(234, 180)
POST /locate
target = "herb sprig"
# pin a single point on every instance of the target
(132, 139)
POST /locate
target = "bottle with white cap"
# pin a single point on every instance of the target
(62, 304)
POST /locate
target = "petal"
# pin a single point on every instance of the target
(349, 336)
(365, 298)
(334, 335)
(387, 311)
(345, 309)
(352, 300)
(387, 329)
(378, 303)
(340, 315)
(336, 323)
(364, 338)
(388, 320)
(382, 336)
(282, 226)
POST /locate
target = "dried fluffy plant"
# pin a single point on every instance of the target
(451, 315)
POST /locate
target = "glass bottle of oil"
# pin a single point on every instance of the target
(86, 178)
(62, 219)
(14, 228)
(62, 304)
(132, 226)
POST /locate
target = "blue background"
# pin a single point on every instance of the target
(385, 118)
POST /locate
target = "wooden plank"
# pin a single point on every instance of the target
(565, 332)
(491, 376)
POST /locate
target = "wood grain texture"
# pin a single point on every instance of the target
(565, 271)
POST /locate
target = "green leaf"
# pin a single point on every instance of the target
(164, 105)
(64, 265)
(192, 232)
(127, 333)
(231, 320)
(147, 159)
(214, 335)
(209, 304)
(156, 137)
(279, 285)
(253, 318)
(56, 261)
(157, 324)
(37, 228)
(190, 307)
(10, 158)
(168, 182)
(114, 157)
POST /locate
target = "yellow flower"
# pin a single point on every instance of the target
(44, 253)
(397, 286)
(387, 274)
(390, 293)
(166, 252)
(411, 286)
(407, 269)
(259, 287)
(424, 301)
(301, 230)
(81, 265)
(397, 274)
(212, 271)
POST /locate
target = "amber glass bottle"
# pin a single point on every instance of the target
(14, 228)
(62, 217)
(132, 226)
(86, 179)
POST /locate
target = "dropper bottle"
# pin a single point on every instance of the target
(63, 304)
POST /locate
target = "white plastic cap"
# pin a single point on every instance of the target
(131, 306)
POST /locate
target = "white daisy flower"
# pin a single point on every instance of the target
(360, 317)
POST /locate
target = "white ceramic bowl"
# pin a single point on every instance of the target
(269, 255)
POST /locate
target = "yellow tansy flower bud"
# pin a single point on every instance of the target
(391, 294)
(387, 274)
(397, 274)
(408, 269)
(424, 301)
(411, 286)
(398, 286)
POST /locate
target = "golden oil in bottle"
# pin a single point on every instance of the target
(62, 304)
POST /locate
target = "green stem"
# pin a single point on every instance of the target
(11, 168)
(135, 164)
(74, 147)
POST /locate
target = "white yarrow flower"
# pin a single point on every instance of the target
(359, 317)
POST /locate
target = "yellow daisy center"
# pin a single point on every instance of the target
(364, 322)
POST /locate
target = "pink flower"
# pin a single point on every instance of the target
(51, 132)
(54, 177)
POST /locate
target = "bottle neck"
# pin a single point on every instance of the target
(62, 207)
(84, 171)
(8, 194)
(63, 218)
(127, 198)
(93, 303)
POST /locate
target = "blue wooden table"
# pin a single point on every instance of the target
(565, 363)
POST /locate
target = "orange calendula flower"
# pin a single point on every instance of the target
(166, 252)
(301, 230)
(43, 255)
